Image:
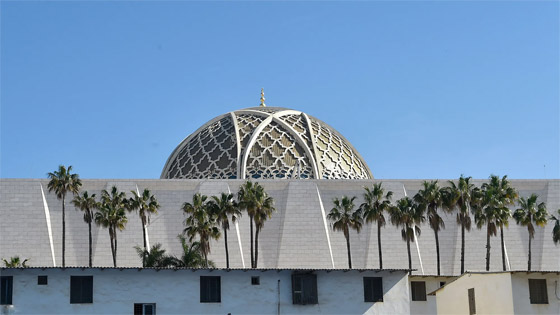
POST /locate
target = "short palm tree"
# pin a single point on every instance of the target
(15, 262)
(530, 212)
(344, 218)
(111, 214)
(155, 257)
(225, 207)
(429, 200)
(556, 229)
(460, 196)
(87, 204)
(146, 204)
(376, 203)
(201, 222)
(191, 256)
(407, 215)
(62, 181)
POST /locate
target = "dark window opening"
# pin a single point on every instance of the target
(7, 283)
(373, 289)
(210, 290)
(304, 289)
(537, 291)
(81, 289)
(255, 280)
(472, 305)
(441, 284)
(42, 280)
(418, 290)
(144, 308)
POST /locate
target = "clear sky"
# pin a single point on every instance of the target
(421, 89)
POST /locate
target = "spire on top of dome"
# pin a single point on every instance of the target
(262, 98)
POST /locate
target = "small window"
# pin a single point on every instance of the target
(7, 283)
(144, 308)
(373, 289)
(304, 289)
(441, 284)
(210, 291)
(537, 291)
(255, 280)
(42, 280)
(418, 290)
(81, 289)
(472, 304)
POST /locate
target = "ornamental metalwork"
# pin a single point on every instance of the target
(265, 142)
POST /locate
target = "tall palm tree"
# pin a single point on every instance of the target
(407, 215)
(556, 229)
(460, 196)
(530, 212)
(376, 203)
(429, 200)
(87, 204)
(111, 214)
(201, 222)
(344, 218)
(265, 208)
(225, 207)
(191, 256)
(15, 262)
(62, 181)
(146, 204)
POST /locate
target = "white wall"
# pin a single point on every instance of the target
(429, 306)
(115, 291)
(521, 301)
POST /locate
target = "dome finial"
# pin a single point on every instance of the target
(262, 98)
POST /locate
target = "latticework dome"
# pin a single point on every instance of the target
(265, 142)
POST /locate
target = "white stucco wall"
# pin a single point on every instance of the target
(521, 301)
(493, 294)
(432, 283)
(115, 291)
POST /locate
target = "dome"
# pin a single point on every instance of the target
(265, 142)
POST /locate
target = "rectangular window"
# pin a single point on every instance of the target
(441, 284)
(255, 280)
(81, 289)
(42, 280)
(373, 289)
(418, 290)
(144, 308)
(537, 291)
(7, 283)
(210, 291)
(304, 289)
(472, 305)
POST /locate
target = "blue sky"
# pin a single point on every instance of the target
(421, 89)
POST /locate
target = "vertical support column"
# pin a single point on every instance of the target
(48, 220)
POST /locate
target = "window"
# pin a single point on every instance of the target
(441, 284)
(304, 289)
(373, 289)
(81, 289)
(255, 280)
(472, 305)
(537, 291)
(42, 280)
(418, 290)
(6, 291)
(144, 308)
(210, 291)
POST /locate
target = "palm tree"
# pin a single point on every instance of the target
(112, 215)
(15, 262)
(146, 204)
(201, 222)
(62, 181)
(429, 200)
(345, 218)
(529, 213)
(259, 206)
(556, 229)
(155, 257)
(460, 196)
(376, 202)
(407, 215)
(87, 204)
(491, 208)
(192, 256)
(224, 207)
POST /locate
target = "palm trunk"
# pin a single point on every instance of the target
(462, 247)
(227, 252)
(63, 233)
(488, 246)
(112, 237)
(379, 244)
(503, 248)
(409, 257)
(115, 232)
(257, 246)
(437, 252)
(90, 242)
(145, 243)
(347, 235)
(252, 255)
(529, 261)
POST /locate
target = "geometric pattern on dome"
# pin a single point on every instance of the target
(265, 142)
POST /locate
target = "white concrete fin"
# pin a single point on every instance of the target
(326, 225)
(145, 227)
(415, 239)
(238, 236)
(48, 219)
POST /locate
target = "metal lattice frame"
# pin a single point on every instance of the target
(265, 142)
